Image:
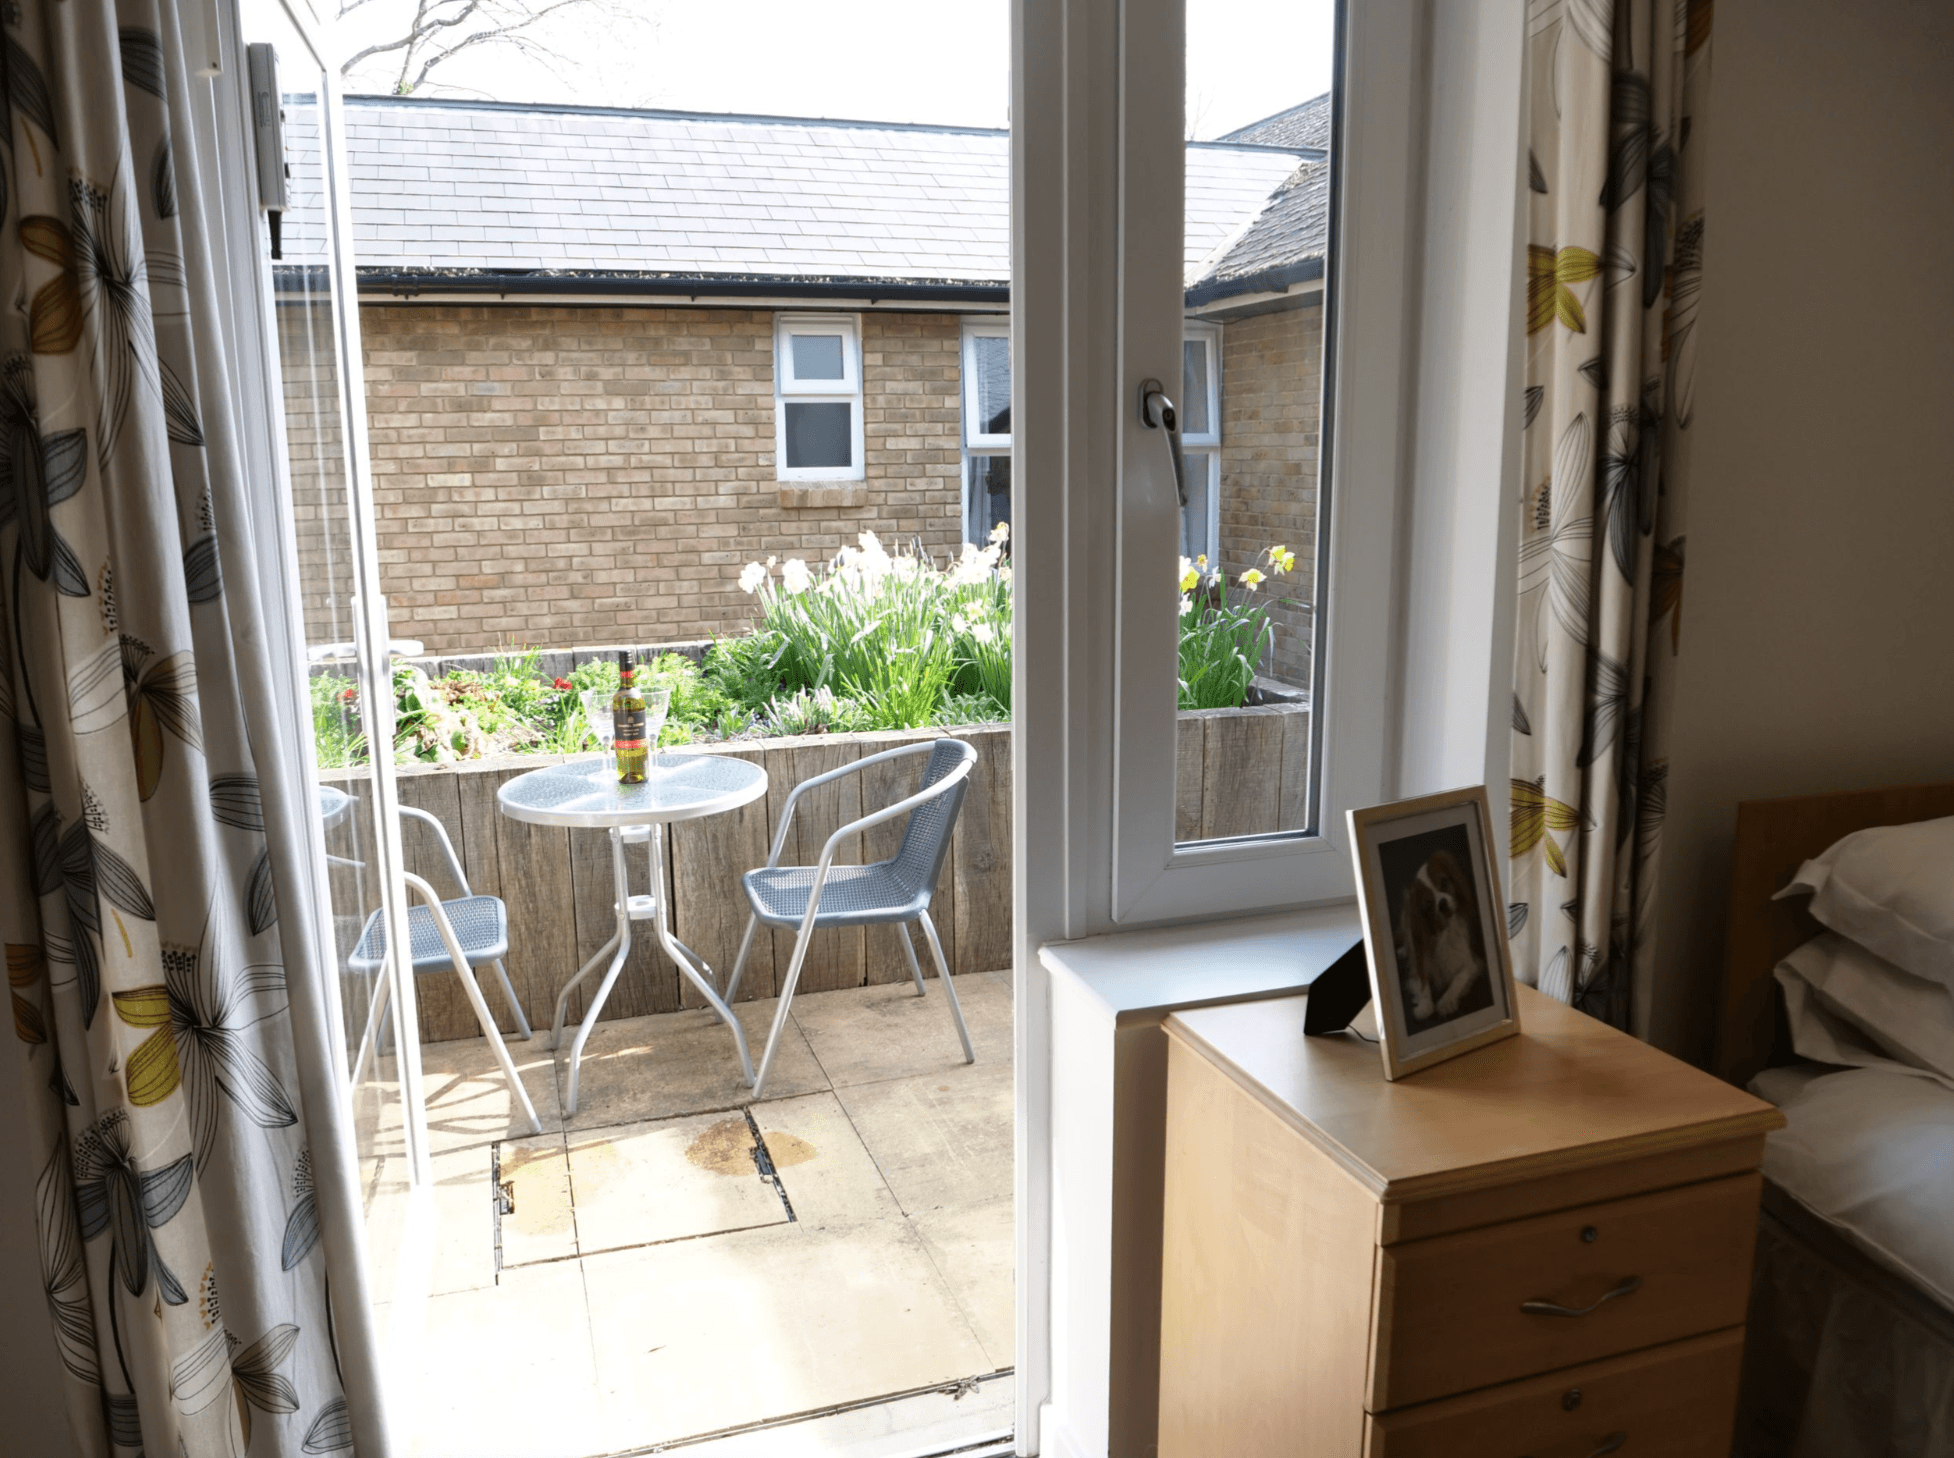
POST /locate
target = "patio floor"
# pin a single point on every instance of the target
(643, 1278)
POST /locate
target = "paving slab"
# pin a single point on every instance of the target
(870, 1034)
(508, 1372)
(975, 1251)
(539, 1224)
(941, 1140)
(668, 1179)
(695, 1336)
(821, 1162)
(681, 1063)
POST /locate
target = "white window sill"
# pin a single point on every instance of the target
(1109, 996)
(1157, 970)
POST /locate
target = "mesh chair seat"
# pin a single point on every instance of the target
(853, 895)
(481, 925)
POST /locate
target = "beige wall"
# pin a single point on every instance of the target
(554, 476)
(1818, 605)
(1271, 406)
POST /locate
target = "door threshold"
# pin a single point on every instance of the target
(970, 1417)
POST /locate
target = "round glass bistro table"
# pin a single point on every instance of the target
(585, 795)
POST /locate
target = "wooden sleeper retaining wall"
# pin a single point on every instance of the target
(1242, 772)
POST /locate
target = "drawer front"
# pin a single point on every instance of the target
(1482, 1307)
(1678, 1400)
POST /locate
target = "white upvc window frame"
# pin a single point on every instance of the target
(1420, 443)
(975, 442)
(1154, 878)
(1206, 443)
(847, 390)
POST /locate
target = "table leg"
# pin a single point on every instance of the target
(700, 976)
(621, 883)
(563, 997)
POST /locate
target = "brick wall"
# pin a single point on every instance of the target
(546, 477)
(552, 476)
(316, 445)
(1271, 408)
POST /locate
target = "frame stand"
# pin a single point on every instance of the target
(1340, 992)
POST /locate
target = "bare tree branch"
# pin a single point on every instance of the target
(439, 30)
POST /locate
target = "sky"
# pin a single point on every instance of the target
(877, 60)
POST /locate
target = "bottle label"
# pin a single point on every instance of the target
(628, 729)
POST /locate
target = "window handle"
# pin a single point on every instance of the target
(1157, 411)
(1554, 1308)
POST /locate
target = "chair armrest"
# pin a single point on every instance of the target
(854, 767)
(855, 827)
(447, 846)
(441, 923)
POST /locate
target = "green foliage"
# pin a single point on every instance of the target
(338, 738)
(871, 640)
(1224, 642)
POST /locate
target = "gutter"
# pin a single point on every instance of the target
(407, 283)
(1265, 281)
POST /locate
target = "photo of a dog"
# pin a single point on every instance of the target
(1437, 927)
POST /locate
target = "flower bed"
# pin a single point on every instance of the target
(870, 641)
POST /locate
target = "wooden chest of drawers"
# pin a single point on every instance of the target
(1542, 1248)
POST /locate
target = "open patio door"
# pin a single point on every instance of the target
(305, 313)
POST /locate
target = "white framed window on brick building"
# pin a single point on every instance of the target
(817, 407)
(986, 427)
(1201, 441)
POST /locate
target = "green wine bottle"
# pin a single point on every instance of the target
(628, 726)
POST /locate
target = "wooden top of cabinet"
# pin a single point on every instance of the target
(1567, 1093)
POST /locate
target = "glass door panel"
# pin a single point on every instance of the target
(347, 665)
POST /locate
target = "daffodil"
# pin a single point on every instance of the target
(751, 576)
(795, 577)
(1282, 559)
(1001, 533)
(1190, 576)
(983, 633)
(1187, 605)
(1251, 579)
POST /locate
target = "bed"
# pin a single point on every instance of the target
(1851, 1338)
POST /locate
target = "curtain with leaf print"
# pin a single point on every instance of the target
(178, 1218)
(1616, 111)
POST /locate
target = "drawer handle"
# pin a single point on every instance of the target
(1613, 1443)
(1554, 1308)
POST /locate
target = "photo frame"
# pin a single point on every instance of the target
(1441, 971)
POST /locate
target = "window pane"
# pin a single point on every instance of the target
(1255, 250)
(817, 356)
(819, 434)
(1194, 388)
(988, 501)
(1197, 517)
(991, 359)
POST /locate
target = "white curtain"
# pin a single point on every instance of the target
(196, 1210)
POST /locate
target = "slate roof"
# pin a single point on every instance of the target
(1307, 124)
(1288, 240)
(588, 196)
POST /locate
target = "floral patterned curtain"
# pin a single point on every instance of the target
(180, 1235)
(1614, 258)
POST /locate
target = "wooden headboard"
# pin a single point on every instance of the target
(1774, 837)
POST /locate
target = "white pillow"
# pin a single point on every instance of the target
(1890, 889)
(1847, 1006)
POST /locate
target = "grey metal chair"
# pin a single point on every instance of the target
(469, 932)
(892, 892)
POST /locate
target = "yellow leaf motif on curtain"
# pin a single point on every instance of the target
(55, 316)
(153, 1071)
(1535, 813)
(1548, 296)
(25, 966)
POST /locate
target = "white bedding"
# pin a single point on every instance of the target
(1870, 1151)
